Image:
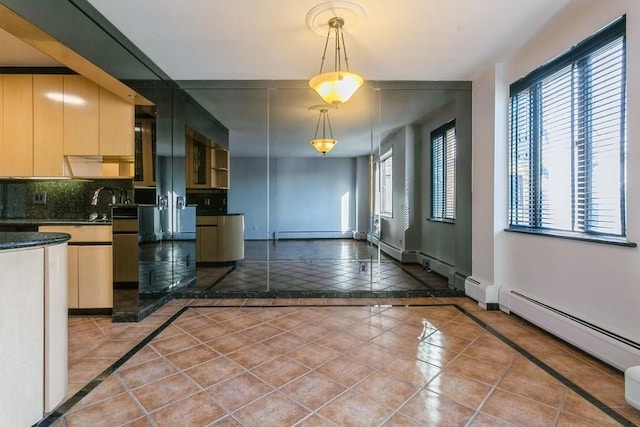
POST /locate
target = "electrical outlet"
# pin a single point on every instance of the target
(40, 198)
(363, 267)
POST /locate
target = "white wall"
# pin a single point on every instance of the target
(248, 194)
(307, 195)
(392, 228)
(595, 282)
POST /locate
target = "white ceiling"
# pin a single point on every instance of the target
(197, 41)
(269, 39)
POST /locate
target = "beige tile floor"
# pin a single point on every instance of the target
(332, 362)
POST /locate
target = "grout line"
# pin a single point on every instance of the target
(557, 375)
(69, 403)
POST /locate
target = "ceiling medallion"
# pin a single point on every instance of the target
(351, 13)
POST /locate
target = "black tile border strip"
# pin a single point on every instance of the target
(555, 374)
(69, 403)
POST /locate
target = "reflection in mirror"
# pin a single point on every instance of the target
(310, 223)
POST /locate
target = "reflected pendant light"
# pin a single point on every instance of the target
(323, 145)
(336, 87)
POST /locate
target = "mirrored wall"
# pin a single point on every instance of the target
(312, 223)
(275, 217)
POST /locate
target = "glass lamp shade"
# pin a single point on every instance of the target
(323, 145)
(336, 87)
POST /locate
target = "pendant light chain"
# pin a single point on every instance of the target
(336, 60)
(324, 54)
(318, 125)
(344, 47)
(336, 25)
(324, 116)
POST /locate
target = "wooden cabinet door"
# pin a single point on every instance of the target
(81, 116)
(72, 276)
(231, 238)
(48, 116)
(145, 152)
(198, 164)
(55, 325)
(17, 129)
(207, 243)
(95, 273)
(219, 168)
(116, 125)
(1, 128)
(22, 337)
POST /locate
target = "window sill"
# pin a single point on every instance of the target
(443, 221)
(616, 241)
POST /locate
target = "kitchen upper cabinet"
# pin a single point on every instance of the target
(219, 168)
(48, 116)
(17, 126)
(81, 116)
(44, 118)
(145, 152)
(207, 165)
(116, 125)
(198, 163)
(96, 122)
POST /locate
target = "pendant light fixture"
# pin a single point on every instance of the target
(337, 86)
(323, 145)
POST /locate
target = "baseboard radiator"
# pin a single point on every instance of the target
(605, 345)
(486, 294)
(312, 234)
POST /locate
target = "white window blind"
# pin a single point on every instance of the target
(383, 178)
(443, 173)
(567, 163)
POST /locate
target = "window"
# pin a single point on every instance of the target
(443, 173)
(384, 185)
(567, 124)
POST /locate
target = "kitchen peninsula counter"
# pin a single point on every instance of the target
(220, 238)
(27, 223)
(33, 325)
(20, 240)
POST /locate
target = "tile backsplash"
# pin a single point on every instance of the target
(59, 198)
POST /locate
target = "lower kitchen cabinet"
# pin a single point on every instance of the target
(90, 265)
(220, 238)
(33, 332)
(90, 276)
(22, 336)
(207, 239)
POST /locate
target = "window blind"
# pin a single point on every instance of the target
(568, 140)
(443, 172)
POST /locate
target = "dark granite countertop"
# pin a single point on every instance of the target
(218, 214)
(17, 240)
(36, 222)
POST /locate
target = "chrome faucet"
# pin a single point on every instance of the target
(96, 195)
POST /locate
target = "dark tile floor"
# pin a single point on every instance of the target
(329, 267)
